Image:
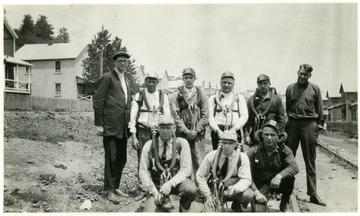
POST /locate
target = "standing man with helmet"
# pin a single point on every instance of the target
(227, 110)
(191, 113)
(112, 114)
(147, 106)
(165, 168)
(304, 110)
(263, 106)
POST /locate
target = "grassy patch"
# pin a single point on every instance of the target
(50, 127)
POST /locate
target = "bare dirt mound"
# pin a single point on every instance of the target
(53, 162)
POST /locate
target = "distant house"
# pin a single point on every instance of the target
(15, 81)
(333, 96)
(164, 83)
(57, 69)
(343, 108)
(349, 95)
(333, 105)
(140, 75)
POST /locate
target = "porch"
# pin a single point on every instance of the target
(16, 69)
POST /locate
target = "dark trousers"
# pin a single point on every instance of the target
(304, 131)
(285, 188)
(115, 160)
(197, 149)
(143, 135)
(215, 137)
(186, 190)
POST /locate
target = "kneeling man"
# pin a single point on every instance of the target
(165, 168)
(273, 167)
(228, 172)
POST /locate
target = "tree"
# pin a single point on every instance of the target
(26, 32)
(63, 36)
(43, 30)
(91, 65)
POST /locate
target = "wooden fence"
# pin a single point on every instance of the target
(27, 102)
(345, 126)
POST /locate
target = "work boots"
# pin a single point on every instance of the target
(316, 200)
(235, 206)
(112, 197)
(284, 203)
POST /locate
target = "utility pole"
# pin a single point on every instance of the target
(209, 88)
(102, 51)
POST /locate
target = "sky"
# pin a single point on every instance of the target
(246, 39)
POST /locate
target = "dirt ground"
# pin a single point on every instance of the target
(53, 162)
(337, 183)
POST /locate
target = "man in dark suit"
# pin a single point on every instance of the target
(112, 114)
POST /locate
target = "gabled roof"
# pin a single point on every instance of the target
(332, 93)
(165, 75)
(323, 95)
(48, 52)
(348, 86)
(12, 32)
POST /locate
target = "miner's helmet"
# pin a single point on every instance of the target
(263, 77)
(227, 74)
(189, 71)
(273, 124)
(152, 75)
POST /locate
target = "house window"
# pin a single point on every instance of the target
(27, 70)
(57, 89)
(57, 67)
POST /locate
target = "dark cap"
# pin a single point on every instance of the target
(263, 77)
(306, 68)
(189, 71)
(120, 53)
(273, 124)
(227, 74)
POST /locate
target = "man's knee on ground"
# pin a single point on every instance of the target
(190, 191)
(261, 207)
(244, 197)
(248, 195)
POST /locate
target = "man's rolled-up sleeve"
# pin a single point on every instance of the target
(133, 114)
(243, 113)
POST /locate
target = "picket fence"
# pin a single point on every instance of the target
(33, 103)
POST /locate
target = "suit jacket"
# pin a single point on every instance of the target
(110, 109)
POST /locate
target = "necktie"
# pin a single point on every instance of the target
(123, 84)
(224, 167)
(163, 156)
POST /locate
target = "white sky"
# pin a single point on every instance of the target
(247, 39)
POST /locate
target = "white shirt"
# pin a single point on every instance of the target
(123, 83)
(220, 118)
(148, 119)
(243, 172)
(185, 163)
(190, 92)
